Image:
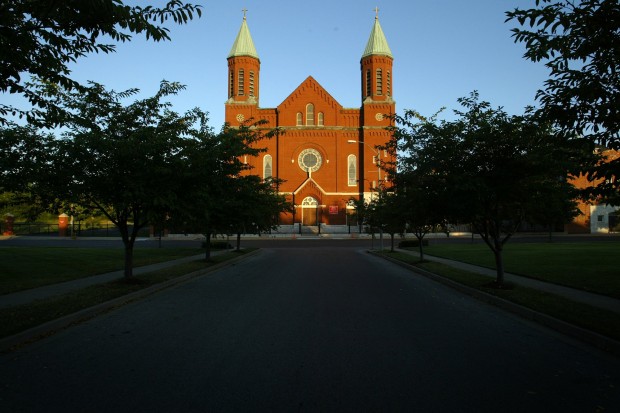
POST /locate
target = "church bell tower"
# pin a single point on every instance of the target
(243, 77)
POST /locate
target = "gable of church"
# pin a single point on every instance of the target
(309, 91)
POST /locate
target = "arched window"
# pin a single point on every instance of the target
(379, 82)
(368, 87)
(320, 119)
(240, 86)
(300, 119)
(309, 201)
(352, 170)
(267, 167)
(309, 114)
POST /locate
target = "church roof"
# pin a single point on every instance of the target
(377, 43)
(243, 46)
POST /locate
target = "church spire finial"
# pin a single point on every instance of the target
(244, 10)
(376, 13)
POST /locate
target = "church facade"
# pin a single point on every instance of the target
(326, 155)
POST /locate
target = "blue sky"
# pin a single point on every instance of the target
(443, 50)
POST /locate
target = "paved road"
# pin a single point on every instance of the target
(320, 329)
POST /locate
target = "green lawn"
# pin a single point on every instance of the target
(591, 266)
(22, 268)
(595, 319)
(19, 318)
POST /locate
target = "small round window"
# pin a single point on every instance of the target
(310, 160)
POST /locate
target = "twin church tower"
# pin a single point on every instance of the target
(326, 154)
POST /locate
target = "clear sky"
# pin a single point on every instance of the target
(443, 50)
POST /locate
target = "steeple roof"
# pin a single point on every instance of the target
(243, 46)
(377, 43)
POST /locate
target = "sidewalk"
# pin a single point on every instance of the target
(593, 299)
(47, 291)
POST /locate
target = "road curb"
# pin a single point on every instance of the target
(49, 328)
(597, 340)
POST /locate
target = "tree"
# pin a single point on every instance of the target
(579, 43)
(41, 37)
(220, 196)
(421, 174)
(25, 155)
(486, 166)
(123, 160)
(386, 211)
(421, 199)
(24, 152)
(360, 208)
(253, 205)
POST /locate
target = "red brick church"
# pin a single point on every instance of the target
(327, 154)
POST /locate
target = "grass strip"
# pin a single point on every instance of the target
(20, 318)
(595, 319)
(588, 266)
(23, 268)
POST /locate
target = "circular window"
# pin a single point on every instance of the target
(310, 160)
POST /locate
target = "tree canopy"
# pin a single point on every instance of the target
(122, 159)
(141, 163)
(39, 38)
(486, 168)
(578, 41)
(221, 197)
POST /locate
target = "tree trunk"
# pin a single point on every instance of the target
(499, 265)
(128, 242)
(392, 246)
(420, 246)
(238, 241)
(550, 232)
(208, 246)
(128, 260)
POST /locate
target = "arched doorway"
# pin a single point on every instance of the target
(309, 211)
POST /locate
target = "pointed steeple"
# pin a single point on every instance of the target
(243, 46)
(376, 64)
(377, 43)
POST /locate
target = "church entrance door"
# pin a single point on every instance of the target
(309, 211)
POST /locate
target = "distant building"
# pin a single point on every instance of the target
(327, 154)
(595, 218)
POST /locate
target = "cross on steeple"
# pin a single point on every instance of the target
(244, 10)
(376, 13)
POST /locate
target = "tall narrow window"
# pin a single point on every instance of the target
(300, 119)
(379, 82)
(352, 170)
(267, 167)
(231, 84)
(389, 83)
(309, 114)
(241, 82)
(320, 119)
(251, 83)
(368, 87)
